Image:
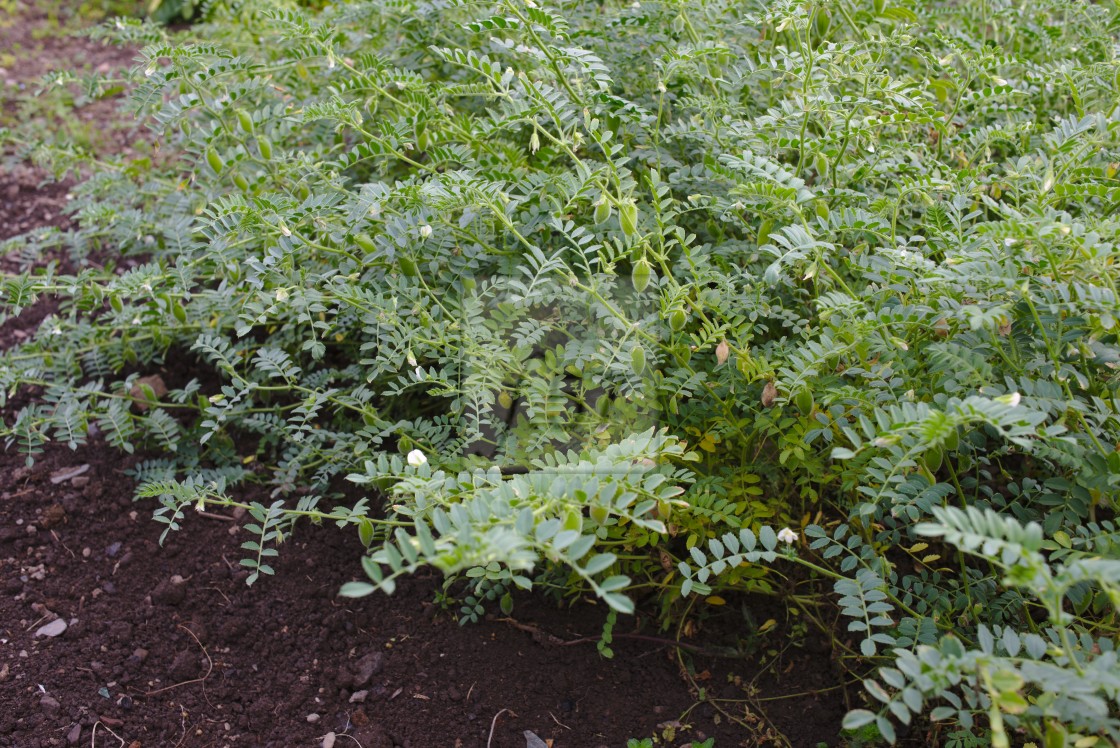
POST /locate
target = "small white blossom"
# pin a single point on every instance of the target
(401, 85)
(416, 458)
(419, 372)
(281, 294)
(787, 536)
(56, 330)
(425, 231)
(135, 320)
(1012, 399)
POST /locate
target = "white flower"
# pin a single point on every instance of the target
(416, 458)
(56, 330)
(787, 536)
(425, 231)
(1012, 399)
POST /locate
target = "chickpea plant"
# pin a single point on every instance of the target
(650, 300)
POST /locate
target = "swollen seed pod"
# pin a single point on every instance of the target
(641, 274)
(264, 145)
(638, 359)
(764, 232)
(214, 160)
(804, 401)
(822, 164)
(677, 319)
(365, 242)
(602, 211)
(603, 405)
(628, 217)
(408, 266)
(932, 458)
(241, 182)
(824, 21)
(423, 139)
(245, 121)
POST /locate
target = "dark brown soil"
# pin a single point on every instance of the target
(29, 201)
(167, 646)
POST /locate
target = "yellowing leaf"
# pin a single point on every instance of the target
(715, 600)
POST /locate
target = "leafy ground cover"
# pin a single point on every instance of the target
(667, 305)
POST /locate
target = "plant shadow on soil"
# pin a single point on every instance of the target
(167, 646)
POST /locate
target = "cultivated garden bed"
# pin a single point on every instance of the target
(478, 374)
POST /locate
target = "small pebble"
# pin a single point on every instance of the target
(313, 718)
(358, 697)
(328, 740)
(52, 629)
(49, 705)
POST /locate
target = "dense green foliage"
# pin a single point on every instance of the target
(632, 286)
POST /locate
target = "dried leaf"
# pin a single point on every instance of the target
(723, 350)
(64, 474)
(147, 390)
(532, 741)
(769, 392)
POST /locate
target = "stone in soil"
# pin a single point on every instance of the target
(52, 629)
